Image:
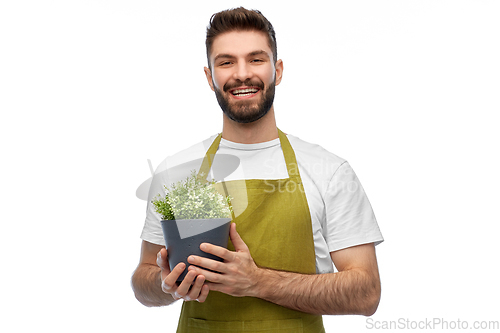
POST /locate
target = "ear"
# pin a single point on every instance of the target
(208, 74)
(279, 71)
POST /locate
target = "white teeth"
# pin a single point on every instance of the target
(246, 92)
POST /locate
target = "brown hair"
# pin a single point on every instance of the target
(239, 19)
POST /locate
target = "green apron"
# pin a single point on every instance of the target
(276, 226)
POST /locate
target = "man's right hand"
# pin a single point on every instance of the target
(186, 290)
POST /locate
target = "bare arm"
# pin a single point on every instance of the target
(155, 285)
(146, 281)
(355, 289)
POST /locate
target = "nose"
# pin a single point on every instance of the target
(242, 71)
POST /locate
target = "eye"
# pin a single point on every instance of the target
(257, 60)
(225, 63)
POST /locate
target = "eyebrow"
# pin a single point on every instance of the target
(230, 56)
(261, 52)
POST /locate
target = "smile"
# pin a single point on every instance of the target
(246, 92)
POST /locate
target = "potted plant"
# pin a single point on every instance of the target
(193, 212)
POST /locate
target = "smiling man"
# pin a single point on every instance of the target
(306, 210)
(244, 94)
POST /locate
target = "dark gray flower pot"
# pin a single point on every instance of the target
(183, 238)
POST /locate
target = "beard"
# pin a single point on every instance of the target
(244, 111)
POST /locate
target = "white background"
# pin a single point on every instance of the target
(406, 91)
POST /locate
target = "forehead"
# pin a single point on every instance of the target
(240, 43)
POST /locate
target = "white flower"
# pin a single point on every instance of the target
(193, 198)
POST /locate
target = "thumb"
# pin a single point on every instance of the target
(162, 259)
(239, 244)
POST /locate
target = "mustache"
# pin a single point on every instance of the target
(248, 83)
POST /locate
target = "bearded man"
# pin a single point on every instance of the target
(306, 210)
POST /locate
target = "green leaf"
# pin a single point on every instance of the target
(192, 198)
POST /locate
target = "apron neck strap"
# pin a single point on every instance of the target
(290, 160)
(288, 153)
(209, 158)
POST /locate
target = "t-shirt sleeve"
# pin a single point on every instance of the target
(349, 215)
(171, 170)
(152, 231)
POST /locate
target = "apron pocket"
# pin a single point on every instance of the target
(270, 326)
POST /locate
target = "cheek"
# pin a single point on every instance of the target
(218, 81)
(268, 76)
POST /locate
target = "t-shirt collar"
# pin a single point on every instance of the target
(249, 146)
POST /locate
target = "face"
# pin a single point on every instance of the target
(243, 75)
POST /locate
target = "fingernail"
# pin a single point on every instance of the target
(203, 247)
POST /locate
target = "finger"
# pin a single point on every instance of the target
(215, 286)
(207, 263)
(239, 244)
(168, 284)
(217, 251)
(162, 259)
(183, 289)
(162, 262)
(223, 288)
(209, 276)
(204, 293)
(195, 290)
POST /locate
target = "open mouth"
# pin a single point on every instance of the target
(245, 92)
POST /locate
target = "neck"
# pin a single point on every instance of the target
(262, 130)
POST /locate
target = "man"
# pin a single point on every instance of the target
(306, 210)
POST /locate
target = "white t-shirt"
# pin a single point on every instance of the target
(341, 214)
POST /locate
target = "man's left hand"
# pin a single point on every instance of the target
(238, 274)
